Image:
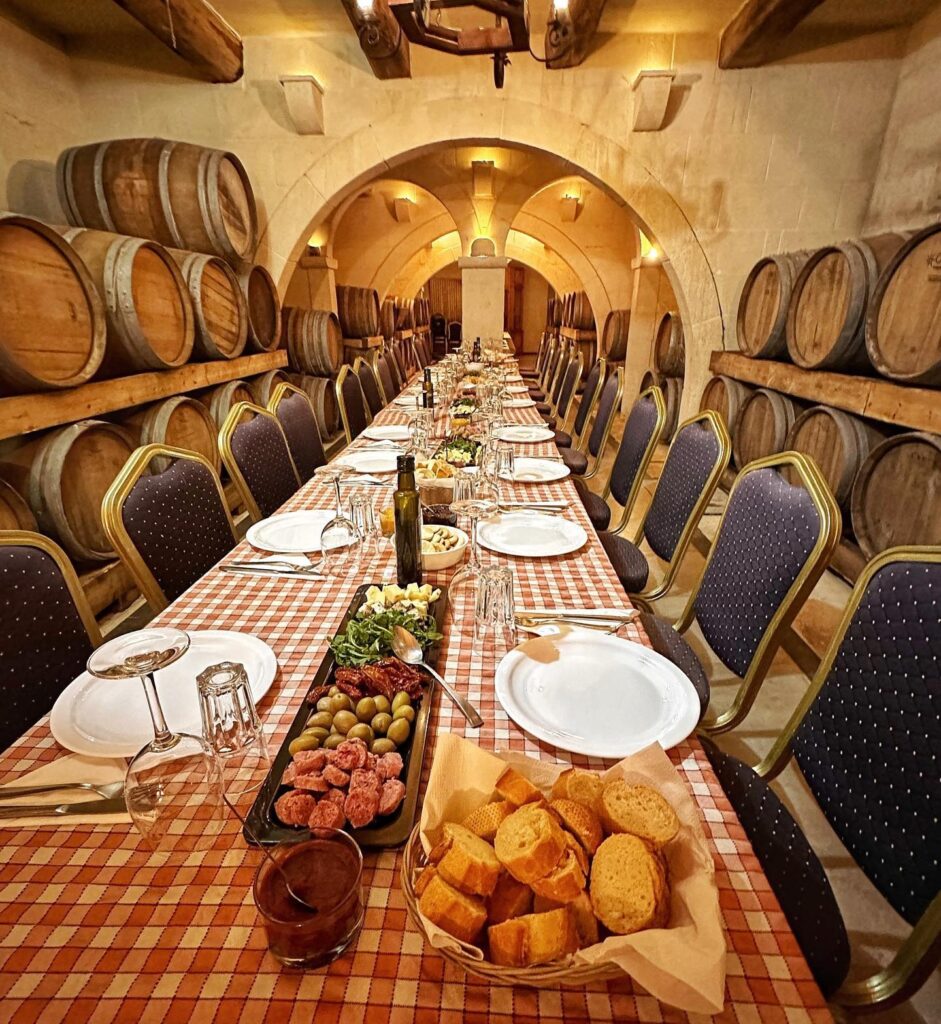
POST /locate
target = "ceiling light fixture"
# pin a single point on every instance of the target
(651, 95)
(304, 97)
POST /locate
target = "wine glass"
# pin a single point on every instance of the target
(474, 498)
(362, 515)
(173, 787)
(341, 542)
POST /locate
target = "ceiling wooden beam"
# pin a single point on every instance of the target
(568, 39)
(196, 31)
(381, 38)
(753, 35)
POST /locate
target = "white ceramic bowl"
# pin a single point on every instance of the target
(445, 559)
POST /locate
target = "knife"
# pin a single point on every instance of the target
(115, 805)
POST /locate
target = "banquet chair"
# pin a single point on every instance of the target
(388, 380)
(609, 401)
(774, 541)
(47, 629)
(298, 420)
(865, 739)
(256, 456)
(642, 432)
(568, 380)
(698, 456)
(400, 357)
(439, 334)
(533, 375)
(539, 390)
(370, 385)
(587, 401)
(454, 335)
(166, 516)
(354, 409)
(547, 409)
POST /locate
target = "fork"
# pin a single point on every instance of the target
(106, 790)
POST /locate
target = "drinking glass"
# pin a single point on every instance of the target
(475, 499)
(418, 436)
(363, 517)
(173, 787)
(504, 468)
(494, 613)
(340, 541)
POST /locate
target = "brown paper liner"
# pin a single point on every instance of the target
(682, 965)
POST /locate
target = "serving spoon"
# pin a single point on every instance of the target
(406, 648)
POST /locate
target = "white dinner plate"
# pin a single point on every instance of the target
(517, 389)
(596, 695)
(408, 400)
(530, 535)
(289, 533)
(369, 461)
(109, 717)
(531, 471)
(518, 403)
(392, 432)
(525, 432)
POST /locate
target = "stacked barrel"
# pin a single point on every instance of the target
(667, 366)
(314, 342)
(578, 324)
(153, 271)
(863, 308)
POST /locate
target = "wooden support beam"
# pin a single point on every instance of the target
(570, 35)
(196, 31)
(381, 38)
(751, 38)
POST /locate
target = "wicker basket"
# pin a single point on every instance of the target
(566, 972)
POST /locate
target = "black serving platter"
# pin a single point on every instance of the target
(262, 826)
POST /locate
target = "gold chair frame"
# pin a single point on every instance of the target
(567, 413)
(362, 361)
(346, 371)
(277, 397)
(828, 537)
(920, 952)
(112, 505)
(29, 539)
(589, 426)
(228, 428)
(581, 441)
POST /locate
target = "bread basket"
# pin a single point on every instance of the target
(564, 972)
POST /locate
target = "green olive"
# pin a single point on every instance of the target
(333, 691)
(334, 740)
(381, 746)
(361, 732)
(321, 718)
(401, 700)
(319, 731)
(325, 704)
(406, 711)
(303, 743)
(382, 705)
(344, 721)
(381, 723)
(340, 702)
(365, 709)
(399, 731)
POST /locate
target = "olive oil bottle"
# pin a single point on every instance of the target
(408, 524)
(427, 390)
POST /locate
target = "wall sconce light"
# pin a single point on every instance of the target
(482, 171)
(649, 253)
(571, 208)
(402, 209)
(304, 97)
(651, 94)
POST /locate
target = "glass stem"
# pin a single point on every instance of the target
(163, 738)
(336, 484)
(473, 561)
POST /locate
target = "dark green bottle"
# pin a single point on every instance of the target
(408, 524)
(428, 390)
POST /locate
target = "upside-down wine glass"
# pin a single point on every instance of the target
(475, 499)
(341, 542)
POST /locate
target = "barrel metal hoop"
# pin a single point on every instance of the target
(100, 193)
(208, 196)
(163, 191)
(65, 188)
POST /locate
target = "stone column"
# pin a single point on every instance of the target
(483, 279)
(645, 306)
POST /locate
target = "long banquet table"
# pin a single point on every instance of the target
(91, 929)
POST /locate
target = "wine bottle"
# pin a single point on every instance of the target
(407, 506)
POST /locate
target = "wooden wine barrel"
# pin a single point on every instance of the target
(672, 388)
(761, 426)
(387, 319)
(313, 340)
(827, 313)
(404, 315)
(70, 472)
(262, 306)
(583, 319)
(725, 395)
(262, 386)
(323, 397)
(15, 514)
(219, 400)
(52, 320)
(568, 304)
(762, 307)
(903, 323)
(897, 494)
(151, 325)
(180, 422)
(218, 305)
(614, 337)
(837, 442)
(358, 311)
(669, 347)
(180, 195)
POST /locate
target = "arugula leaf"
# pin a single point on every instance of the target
(370, 639)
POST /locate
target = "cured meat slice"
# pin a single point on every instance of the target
(351, 754)
(389, 766)
(326, 814)
(393, 792)
(294, 808)
(363, 778)
(361, 807)
(336, 776)
(310, 760)
(313, 782)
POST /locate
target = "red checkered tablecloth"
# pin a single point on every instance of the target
(94, 929)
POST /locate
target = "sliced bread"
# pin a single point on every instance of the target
(509, 899)
(579, 851)
(485, 821)
(533, 938)
(518, 790)
(455, 912)
(424, 877)
(640, 810)
(581, 821)
(582, 786)
(629, 890)
(469, 864)
(529, 843)
(563, 884)
(585, 921)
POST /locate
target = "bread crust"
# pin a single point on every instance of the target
(509, 899)
(581, 821)
(485, 821)
(530, 843)
(469, 864)
(453, 911)
(584, 787)
(518, 790)
(639, 810)
(533, 939)
(565, 884)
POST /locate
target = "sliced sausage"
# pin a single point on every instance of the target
(336, 776)
(310, 760)
(363, 778)
(337, 796)
(313, 782)
(295, 808)
(393, 792)
(351, 754)
(290, 774)
(326, 814)
(390, 765)
(361, 807)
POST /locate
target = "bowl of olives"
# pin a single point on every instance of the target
(383, 725)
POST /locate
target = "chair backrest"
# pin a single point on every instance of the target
(552, 362)
(608, 402)
(597, 375)
(439, 327)
(387, 377)
(299, 423)
(454, 330)
(354, 412)
(641, 435)
(573, 374)
(566, 357)
(167, 517)
(542, 351)
(400, 356)
(774, 541)
(369, 384)
(47, 629)
(256, 456)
